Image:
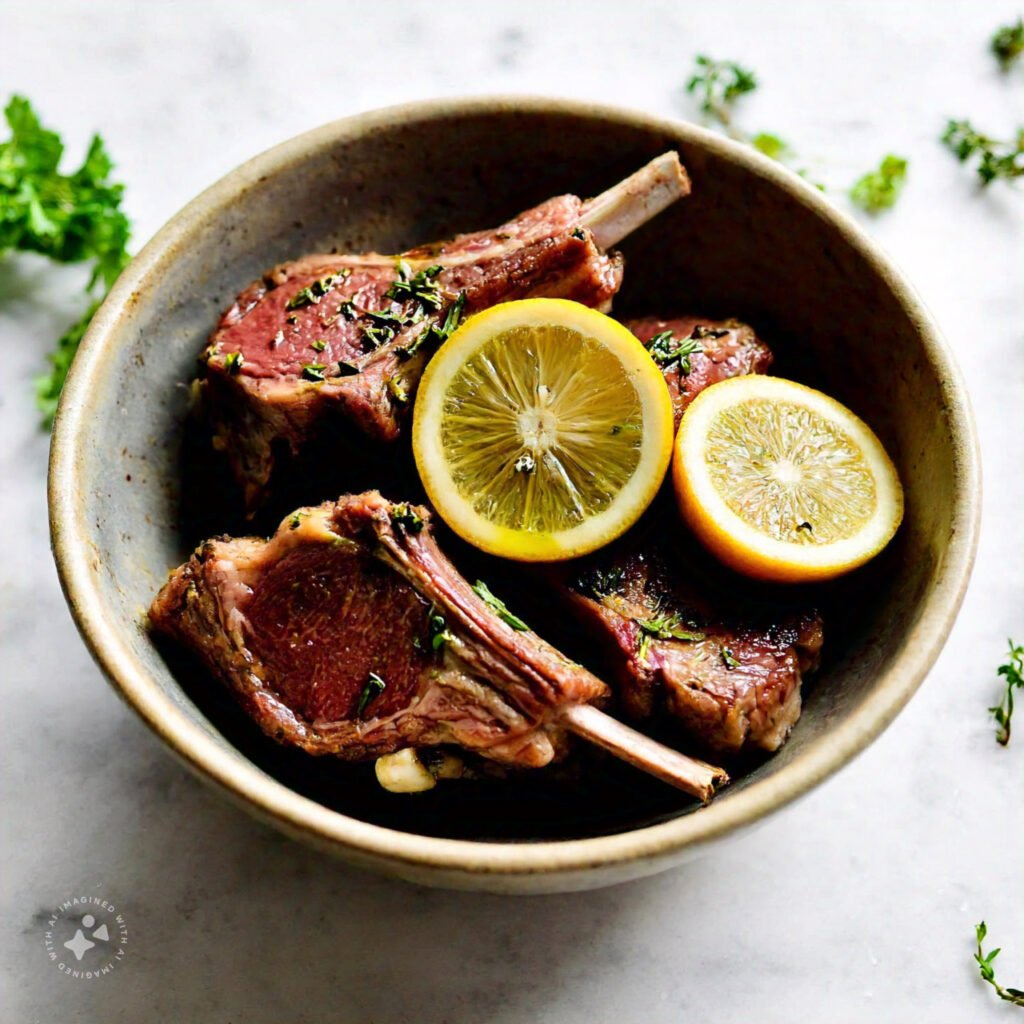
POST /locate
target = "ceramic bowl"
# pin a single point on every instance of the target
(753, 241)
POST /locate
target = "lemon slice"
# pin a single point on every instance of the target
(782, 482)
(542, 429)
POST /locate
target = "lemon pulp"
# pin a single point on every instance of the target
(533, 443)
(791, 474)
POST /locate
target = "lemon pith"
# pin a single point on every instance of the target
(542, 429)
(783, 482)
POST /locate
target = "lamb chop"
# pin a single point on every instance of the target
(350, 633)
(349, 335)
(732, 681)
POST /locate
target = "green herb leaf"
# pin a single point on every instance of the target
(233, 362)
(665, 349)
(398, 388)
(664, 627)
(1013, 672)
(70, 218)
(419, 288)
(374, 687)
(498, 606)
(879, 189)
(319, 345)
(729, 659)
(439, 635)
(717, 84)
(987, 971)
(313, 371)
(311, 295)
(993, 158)
(405, 516)
(771, 145)
(1008, 44)
(437, 333)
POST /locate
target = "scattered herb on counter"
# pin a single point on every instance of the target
(1013, 672)
(992, 158)
(985, 968)
(879, 189)
(498, 606)
(405, 516)
(1008, 44)
(374, 687)
(718, 84)
(70, 218)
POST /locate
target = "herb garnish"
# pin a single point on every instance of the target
(1008, 44)
(347, 369)
(70, 218)
(311, 295)
(319, 345)
(988, 972)
(498, 606)
(526, 463)
(578, 233)
(374, 687)
(995, 159)
(405, 516)
(437, 333)
(348, 310)
(295, 521)
(1013, 672)
(729, 659)
(313, 371)
(233, 362)
(663, 627)
(419, 288)
(601, 582)
(377, 334)
(664, 349)
(718, 84)
(438, 633)
(879, 189)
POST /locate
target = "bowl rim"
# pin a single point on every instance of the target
(375, 845)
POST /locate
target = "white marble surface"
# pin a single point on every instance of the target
(856, 905)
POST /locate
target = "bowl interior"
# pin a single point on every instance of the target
(743, 244)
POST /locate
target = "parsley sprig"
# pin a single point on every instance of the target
(987, 971)
(1013, 672)
(70, 218)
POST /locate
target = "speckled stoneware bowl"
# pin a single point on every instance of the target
(752, 241)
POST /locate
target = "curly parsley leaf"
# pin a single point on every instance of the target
(879, 189)
(70, 218)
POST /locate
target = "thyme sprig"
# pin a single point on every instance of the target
(664, 350)
(1008, 44)
(991, 157)
(987, 971)
(1013, 672)
(879, 189)
(498, 607)
(718, 84)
